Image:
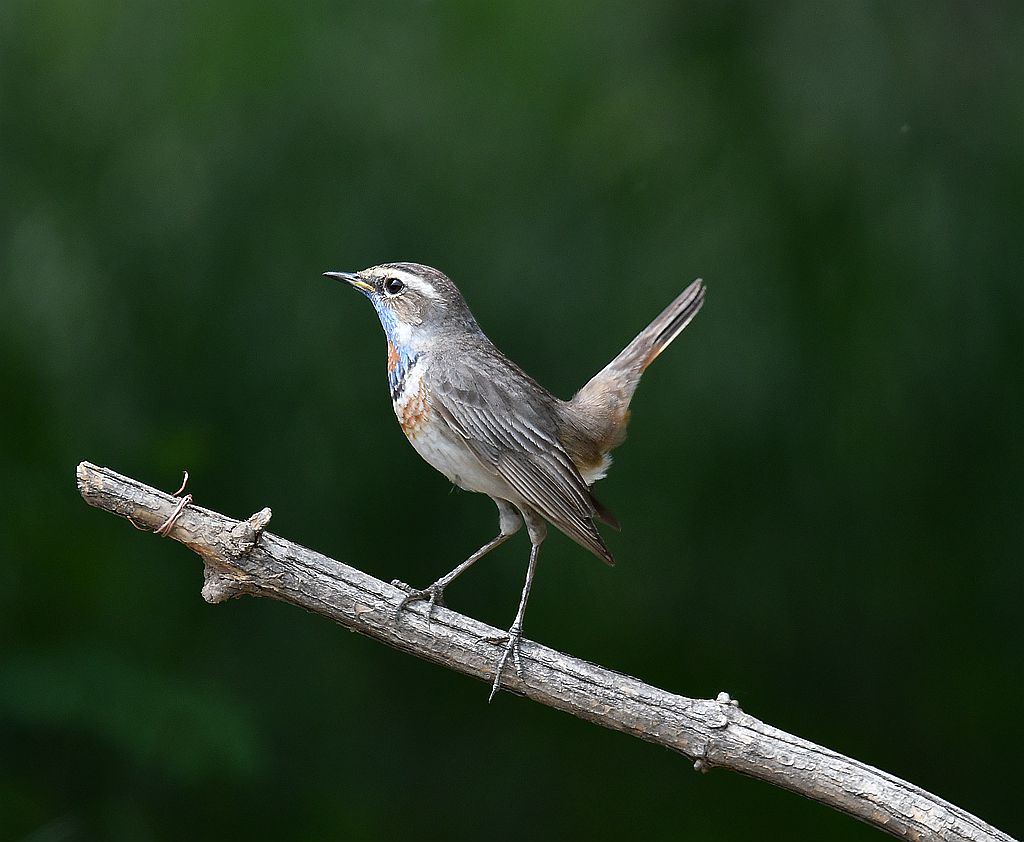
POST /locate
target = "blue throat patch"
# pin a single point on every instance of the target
(401, 358)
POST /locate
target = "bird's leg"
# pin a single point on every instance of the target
(514, 636)
(434, 594)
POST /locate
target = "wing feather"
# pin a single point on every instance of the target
(511, 429)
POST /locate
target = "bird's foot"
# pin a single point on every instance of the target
(512, 641)
(432, 595)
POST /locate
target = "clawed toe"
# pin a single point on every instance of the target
(432, 595)
(512, 642)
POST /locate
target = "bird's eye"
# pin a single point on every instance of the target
(393, 286)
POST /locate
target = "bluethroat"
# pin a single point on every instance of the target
(484, 423)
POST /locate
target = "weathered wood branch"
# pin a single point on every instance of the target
(241, 558)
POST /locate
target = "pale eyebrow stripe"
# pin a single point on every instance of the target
(415, 282)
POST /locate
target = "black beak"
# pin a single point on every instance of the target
(353, 279)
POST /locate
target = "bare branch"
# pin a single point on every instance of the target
(241, 558)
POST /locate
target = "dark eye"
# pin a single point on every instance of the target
(393, 286)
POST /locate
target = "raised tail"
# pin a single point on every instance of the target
(596, 417)
(657, 336)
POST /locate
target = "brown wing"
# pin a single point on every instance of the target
(508, 423)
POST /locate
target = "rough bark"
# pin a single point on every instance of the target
(240, 557)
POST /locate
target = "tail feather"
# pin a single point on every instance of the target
(658, 335)
(597, 415)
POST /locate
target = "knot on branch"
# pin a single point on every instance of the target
(724, 698)
(222, 582)
(247, 532)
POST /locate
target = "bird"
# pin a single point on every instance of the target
(489, 427)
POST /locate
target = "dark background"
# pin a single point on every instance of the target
(822, 490)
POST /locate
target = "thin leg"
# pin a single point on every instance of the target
(434, 594)
(515, 634)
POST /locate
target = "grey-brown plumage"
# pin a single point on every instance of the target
(488, 426)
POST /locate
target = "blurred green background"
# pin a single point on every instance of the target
(821, 494)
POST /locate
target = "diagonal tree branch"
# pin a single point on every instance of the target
(241, 558)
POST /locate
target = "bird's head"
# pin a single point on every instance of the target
(415, 303)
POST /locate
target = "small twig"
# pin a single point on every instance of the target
(184, 482)
(241, 558)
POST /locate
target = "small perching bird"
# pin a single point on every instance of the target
(484, 423)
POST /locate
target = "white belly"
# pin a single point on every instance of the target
(440, 446)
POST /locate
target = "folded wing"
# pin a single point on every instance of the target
(511, 429)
